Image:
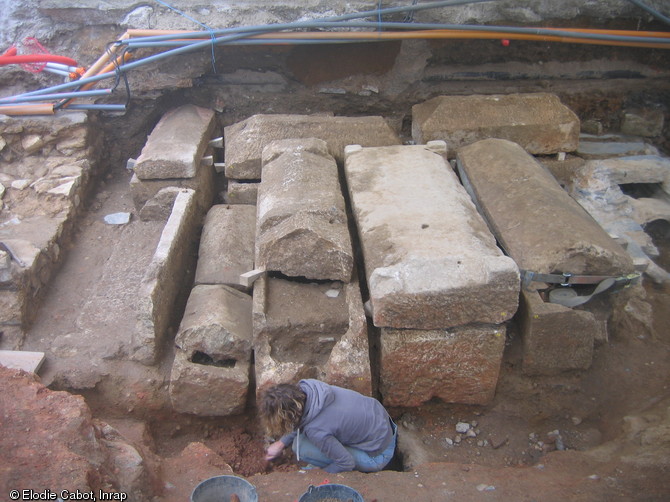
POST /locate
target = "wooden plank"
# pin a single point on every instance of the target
(21, 360)
(248, 278)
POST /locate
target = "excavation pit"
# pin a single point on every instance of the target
(595, 431)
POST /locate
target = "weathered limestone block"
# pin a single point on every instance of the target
(175, 147)
(430, 260)
(604, 173)
(245, 140)
(555, 338)
(607, 146)
(203, 184)
(226, 245)
(302, 224)
(165, 278)
(538, 122)
(208, 390)
(643, 122)
(242, 193)
(533, 218)
(310, 331)
(458, 365)
(159, 207)
(216, 323)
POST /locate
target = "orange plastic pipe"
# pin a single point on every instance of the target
(38, 109)
(108, 68)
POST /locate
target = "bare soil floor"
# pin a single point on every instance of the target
(512, 455)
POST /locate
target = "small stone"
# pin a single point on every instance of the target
(20, 184)
(449, 441)
(457, 439)
(32, 143)
(462, 427)
(333, 293)
(480, 443)
(594, 477)
(471, 433)
(576, 420)
(117, 218)
(485, 488)
(474, 423)
(2, 190)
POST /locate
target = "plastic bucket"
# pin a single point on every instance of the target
(331, 491)
(221, 488)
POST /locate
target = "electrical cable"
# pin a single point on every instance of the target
(651, 11)
(181, 42)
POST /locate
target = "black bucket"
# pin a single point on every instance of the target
(221, 488)
(331, 491)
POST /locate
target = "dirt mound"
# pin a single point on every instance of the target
(50, 442)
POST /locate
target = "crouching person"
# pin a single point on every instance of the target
(329, 427)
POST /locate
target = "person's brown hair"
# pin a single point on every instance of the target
(281, 408)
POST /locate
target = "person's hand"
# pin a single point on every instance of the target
(274, 450)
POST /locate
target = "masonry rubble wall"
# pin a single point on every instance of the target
(430, 260)
(539, 122)
(226, 245)
(310, 330)
(302, 222)
(536, 221)
(45, 164)
(246, 140)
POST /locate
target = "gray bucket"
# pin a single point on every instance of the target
(331, 491)
(221, 488)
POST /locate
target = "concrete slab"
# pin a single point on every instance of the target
(555, 338)
(539, 122)
(177, 143)
(208, 390)
(459, 365)
(216, 323)
(430, 260)
(536, 221)
(226, 245)
(302, 226)
(245, 140)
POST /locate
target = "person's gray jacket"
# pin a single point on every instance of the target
(335, 417)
